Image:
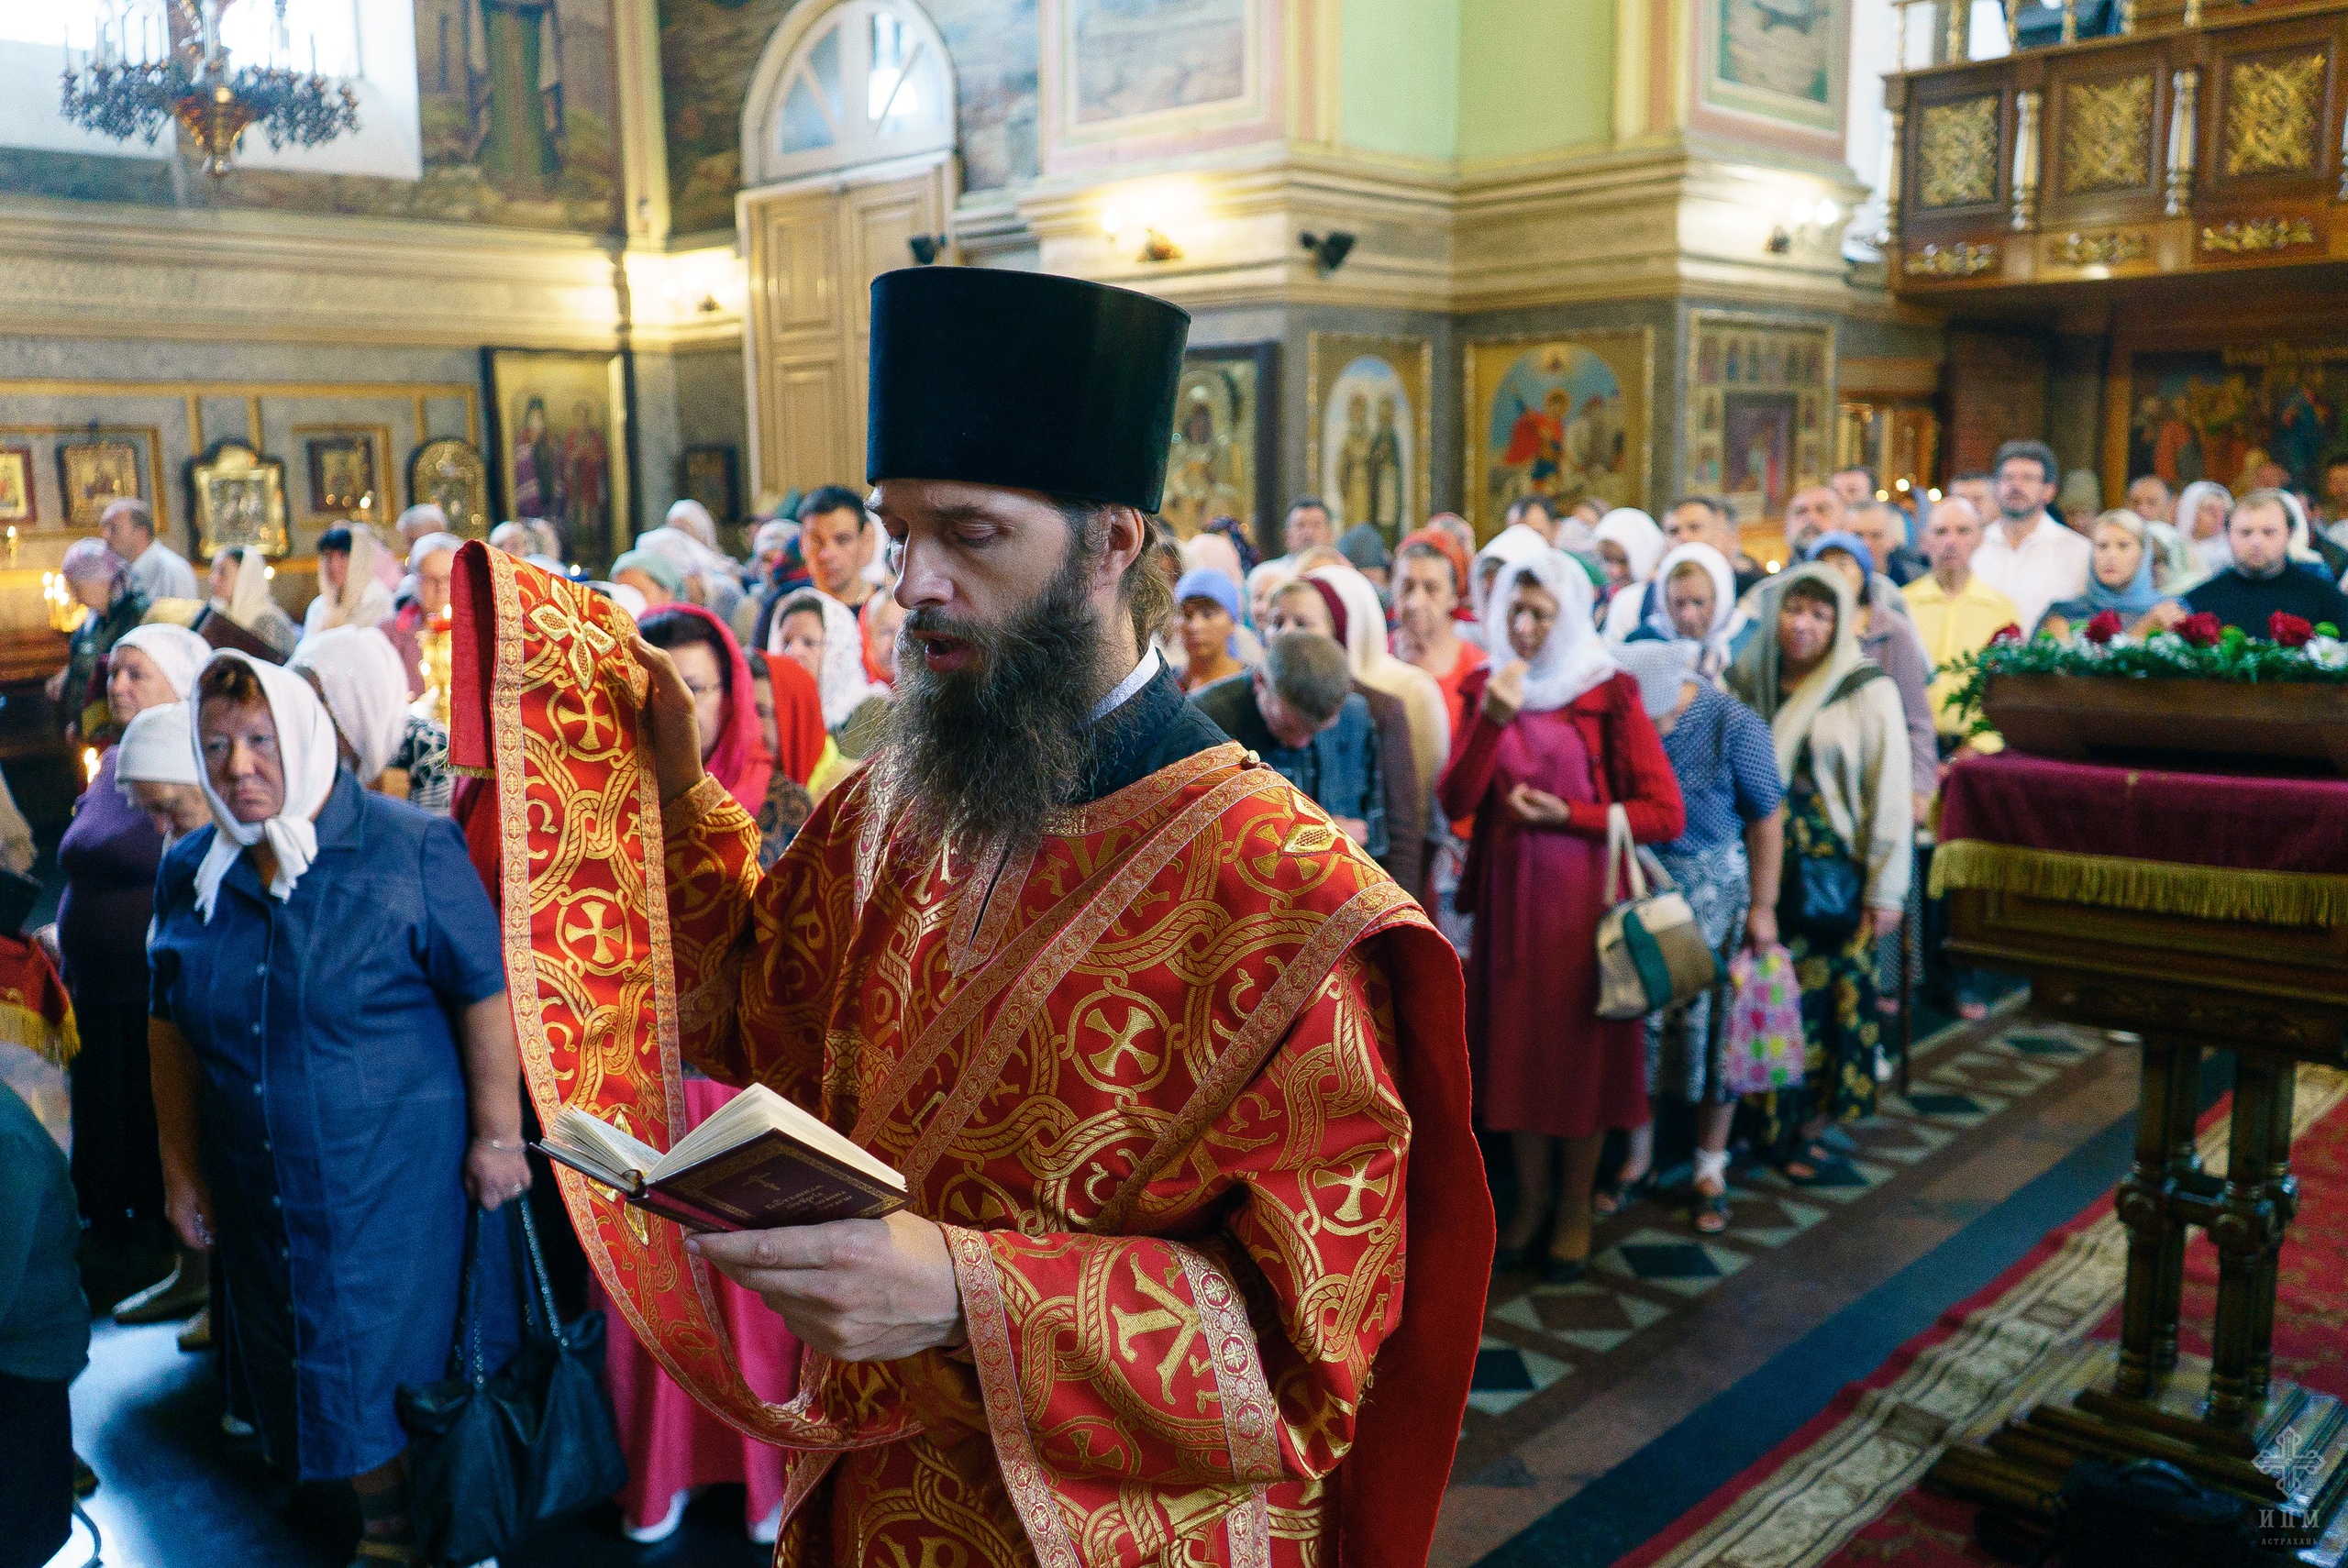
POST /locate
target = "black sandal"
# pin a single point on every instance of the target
(1621, 1195)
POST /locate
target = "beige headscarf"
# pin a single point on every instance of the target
(1373, 665)
(363, 600)
(1754, 674)
(247, 589)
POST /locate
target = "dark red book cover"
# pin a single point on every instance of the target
(773, 1181)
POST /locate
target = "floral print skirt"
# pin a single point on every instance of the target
(1840, 1024)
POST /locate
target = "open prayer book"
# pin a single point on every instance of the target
(759, 1163)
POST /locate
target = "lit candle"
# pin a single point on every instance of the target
(89, 765)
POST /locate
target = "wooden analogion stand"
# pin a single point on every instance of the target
(2273, 993)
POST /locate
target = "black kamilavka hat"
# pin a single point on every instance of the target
(1023, 380)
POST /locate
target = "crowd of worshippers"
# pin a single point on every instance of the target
(284, 1053)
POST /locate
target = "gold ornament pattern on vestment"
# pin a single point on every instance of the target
(1956, 148)
(2273, 115)
(1149, 996)
(2106, 135)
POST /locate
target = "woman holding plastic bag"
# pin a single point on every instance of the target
(1725, 865)
(1839, 736)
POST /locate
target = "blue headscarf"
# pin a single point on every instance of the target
(1845, 540)
(2132, 601)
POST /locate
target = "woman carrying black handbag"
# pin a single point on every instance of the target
(1842, 743)
(491, 1456)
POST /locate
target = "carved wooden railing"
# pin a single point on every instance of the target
(2212, 146)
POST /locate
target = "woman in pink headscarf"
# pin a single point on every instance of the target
(673, 1445)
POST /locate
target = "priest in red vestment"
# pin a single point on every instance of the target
(1195, 1266)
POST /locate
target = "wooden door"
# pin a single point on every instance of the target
(813, 255)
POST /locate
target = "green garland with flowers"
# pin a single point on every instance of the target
(2197, 648)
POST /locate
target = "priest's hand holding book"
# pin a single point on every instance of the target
(788, 1208)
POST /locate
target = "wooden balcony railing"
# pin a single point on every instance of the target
(2211, 141)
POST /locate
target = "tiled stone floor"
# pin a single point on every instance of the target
(1574, 1378)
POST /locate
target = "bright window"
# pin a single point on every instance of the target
(866, 81)
(372, 43)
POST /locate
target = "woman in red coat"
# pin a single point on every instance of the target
(1558, 735)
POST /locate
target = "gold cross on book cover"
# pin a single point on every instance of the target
(758, 1163)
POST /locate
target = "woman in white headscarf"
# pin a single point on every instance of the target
(1512, 543)
(349, 592)
(821, 635)
(240, 592)
(1696, 605)
(385, 743)
(335, 1076)
(1373, 663)
(690, 516)
(1558, 738)
(155, 772)
(108, 856)
(1840, 737)
(1627, 543)
(2201, 513)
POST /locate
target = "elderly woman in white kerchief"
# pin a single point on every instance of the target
(822, 636)
(108, 856)
(336, 1074)
(387, 745)
(155, 771)
(1698, 604)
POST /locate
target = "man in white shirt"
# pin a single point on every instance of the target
(156, 569)
(2028, 557)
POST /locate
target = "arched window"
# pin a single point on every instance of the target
(862, 81)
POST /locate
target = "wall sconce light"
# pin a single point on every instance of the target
(1808, 219)
(1330, 249)
(927, 249)
(1154, 246)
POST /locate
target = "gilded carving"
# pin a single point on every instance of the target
(2273, 115)
(2106, 135)
(1963, 259)
(1957, 153)
(2101, 249)
(2242, 236)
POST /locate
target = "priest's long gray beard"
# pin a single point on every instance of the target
(987, 755)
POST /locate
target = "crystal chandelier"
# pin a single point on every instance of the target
(126, 87)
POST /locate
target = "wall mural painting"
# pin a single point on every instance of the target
(1368, 431)
(1780, 59)
(1147, 57)
(2235, 414)
(1563, 418)
(518, 106)
(558, 433)
(710, 49)
(1760, 403)
(1226, 457)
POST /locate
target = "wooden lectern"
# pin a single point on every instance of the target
(2275, 994)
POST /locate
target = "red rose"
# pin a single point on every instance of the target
(2106, 625)
(2203, 630)
(2288, 630)
(2009, 632)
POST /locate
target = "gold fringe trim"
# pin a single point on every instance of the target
(56, 1044)
(461, 771)
(2154, 887)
